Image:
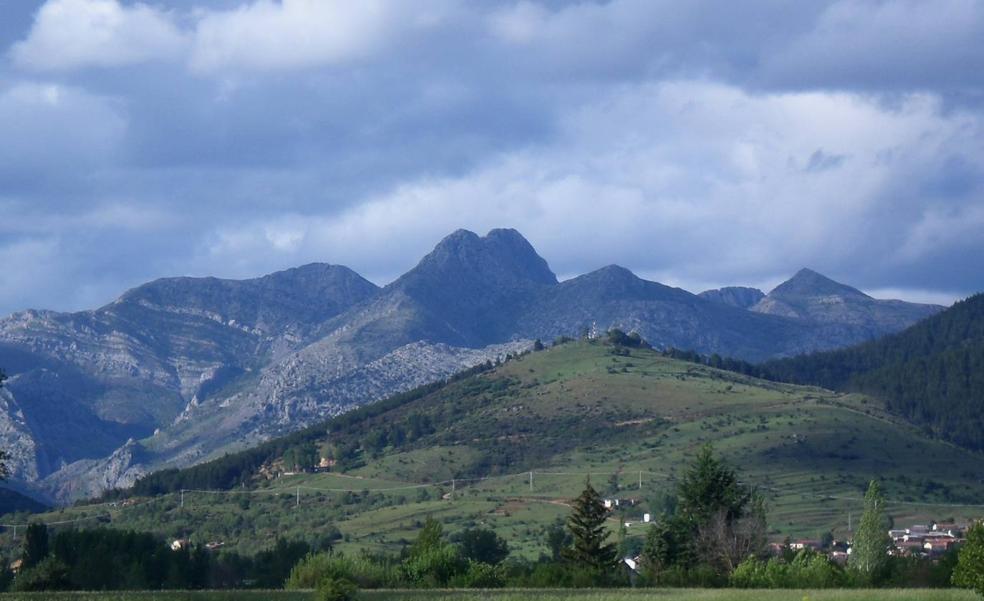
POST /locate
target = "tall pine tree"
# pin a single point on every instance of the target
(869, 553)
(586, 523)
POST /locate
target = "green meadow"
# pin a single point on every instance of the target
(630, 422)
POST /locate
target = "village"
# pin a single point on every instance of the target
(930, 541)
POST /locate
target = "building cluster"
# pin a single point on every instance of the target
(926, 541)
(918, 540)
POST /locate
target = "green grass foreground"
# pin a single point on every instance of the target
(523, 595)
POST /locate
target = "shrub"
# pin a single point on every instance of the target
(50, 574)
(363, 571)
(334, 588)
(434, 566)
(969, 572)
(806, 570)
(479, 575)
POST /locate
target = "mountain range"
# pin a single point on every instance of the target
(184, 369)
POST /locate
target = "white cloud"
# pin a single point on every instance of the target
(71, 34)
(51, 127)
(688, 178)
(267, 35)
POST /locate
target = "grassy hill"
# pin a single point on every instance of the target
(632, 418)
(932, 373)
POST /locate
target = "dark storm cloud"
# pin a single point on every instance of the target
(703, 143)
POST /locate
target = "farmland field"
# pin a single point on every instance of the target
(523, 595)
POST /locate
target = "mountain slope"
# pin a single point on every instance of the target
(814, 297)
(631, 418)
(182, 370)
(83, 383)
(736, 296)
(932, 373)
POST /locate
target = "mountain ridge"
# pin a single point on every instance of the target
(191, 367)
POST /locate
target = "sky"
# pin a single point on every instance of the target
(699, 143)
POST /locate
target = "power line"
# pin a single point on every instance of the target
(455, 484)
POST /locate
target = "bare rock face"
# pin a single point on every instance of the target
(811, 297)
(183, 369)
(18, 443)
(735, 296)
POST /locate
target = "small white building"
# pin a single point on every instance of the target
(179, 543)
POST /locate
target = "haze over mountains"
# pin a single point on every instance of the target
(181, 369)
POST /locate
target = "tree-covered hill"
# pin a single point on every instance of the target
(463, 450)
(931, 373)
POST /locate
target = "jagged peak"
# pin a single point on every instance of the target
(500, 254)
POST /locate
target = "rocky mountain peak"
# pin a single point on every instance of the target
(501, 257)
(807, 282)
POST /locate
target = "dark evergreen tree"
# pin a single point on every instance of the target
(483, 545)
(666, 545)
(709, 487)
(35, 545)
(586, 523)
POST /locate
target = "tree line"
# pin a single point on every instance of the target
(932, 373)
(714, 534)
(109, 559)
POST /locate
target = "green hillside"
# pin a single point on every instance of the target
(931, 373)
(626, 416)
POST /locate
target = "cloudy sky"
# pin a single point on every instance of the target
(696, 143)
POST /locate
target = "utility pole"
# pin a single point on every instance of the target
(182, 498)
(531, 480)
(640, 479)
(849, 529)
(298, 502)
(452, 489)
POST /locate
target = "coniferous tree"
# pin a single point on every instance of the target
(35, 545)
(664, 547)
(709, 487)
(869, 553)
(586, 523)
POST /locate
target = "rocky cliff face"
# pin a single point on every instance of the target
(182, 369)
(811, 297)
(736, 296)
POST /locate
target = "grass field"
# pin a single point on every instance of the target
(526, 595)
(579, 410)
